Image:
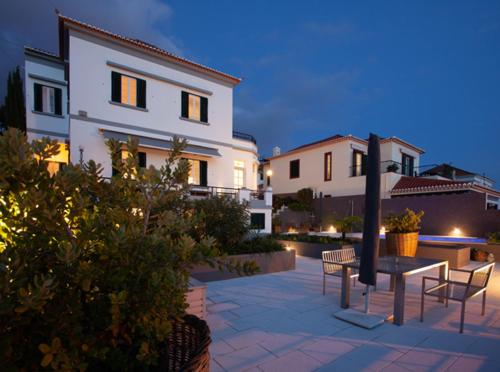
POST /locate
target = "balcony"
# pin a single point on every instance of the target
(244, 137)
(391, 166)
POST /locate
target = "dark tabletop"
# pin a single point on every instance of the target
(400, 264)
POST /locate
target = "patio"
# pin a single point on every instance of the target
(282, 322)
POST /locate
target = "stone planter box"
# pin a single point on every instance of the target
(267, 262)
(196, 298)
(456, 255)
(312, 250)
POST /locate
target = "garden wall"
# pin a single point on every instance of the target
(442, 212)
(267, 263)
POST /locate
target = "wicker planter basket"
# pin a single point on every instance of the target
(401, 244)
(187, 347)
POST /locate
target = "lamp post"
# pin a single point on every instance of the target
(269, 174)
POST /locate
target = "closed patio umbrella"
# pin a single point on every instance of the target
(371, 225)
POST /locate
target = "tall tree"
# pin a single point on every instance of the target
(14, 113)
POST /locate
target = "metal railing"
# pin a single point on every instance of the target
(244, 136)
(391, 166)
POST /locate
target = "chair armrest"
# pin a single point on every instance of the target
(461, 270)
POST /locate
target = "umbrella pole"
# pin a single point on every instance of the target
(367, 299)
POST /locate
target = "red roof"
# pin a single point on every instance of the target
(63, 20)
(417, 184)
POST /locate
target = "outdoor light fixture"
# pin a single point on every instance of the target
(456, 232)
(332, 229)
(269, 172)
(382, 230)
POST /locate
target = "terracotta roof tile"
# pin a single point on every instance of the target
(149, 47)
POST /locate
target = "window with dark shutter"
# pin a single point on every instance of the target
(142, 159)
(58, 101)
(141, 93)
(184, 104)
(407, 163)
(328, 166)
(116, 87)
(38, 97)
(295, 168)
(204, 109)
(258, 221)
(203, 173)
(358, 163)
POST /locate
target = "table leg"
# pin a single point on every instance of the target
(346, 287)
(443, 275)
(399, 300)
(392, 282)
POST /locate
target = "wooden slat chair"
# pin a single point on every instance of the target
(460, 291)
(331, 260)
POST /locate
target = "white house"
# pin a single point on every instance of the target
(102, 85)
(335, 166)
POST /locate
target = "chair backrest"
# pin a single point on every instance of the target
(479, 278)
(330, 258)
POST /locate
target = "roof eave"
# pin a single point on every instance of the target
(142, 47)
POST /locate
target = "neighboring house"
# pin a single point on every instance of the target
(447, 171)
(102, 85)
(336, 166)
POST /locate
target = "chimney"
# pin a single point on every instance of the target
(276, 151)
(453, 174)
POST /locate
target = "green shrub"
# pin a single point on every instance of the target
(305, 238)
(494, 238)
(404, 223)
(92, 272)
(348, 224)
(258, 244)
(224, 218)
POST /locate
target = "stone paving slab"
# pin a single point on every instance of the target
(282, 322)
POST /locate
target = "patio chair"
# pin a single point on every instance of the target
(332, 260)
(459, 291)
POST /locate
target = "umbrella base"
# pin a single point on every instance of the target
(359, 318)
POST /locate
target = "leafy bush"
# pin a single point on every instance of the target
(305, 238)
(404, 223)
(494, 238)
(224, 218)
(258, 244)
(92, 272)
(348, 224)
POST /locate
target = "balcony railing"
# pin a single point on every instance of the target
(391, 166)
(244, 136)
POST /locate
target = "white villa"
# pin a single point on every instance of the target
(102, 85)
(335, 166)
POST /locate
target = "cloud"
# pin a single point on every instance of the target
(34, 23)
(301, 103)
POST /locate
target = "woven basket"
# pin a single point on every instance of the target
(401, 244)
(187, 347)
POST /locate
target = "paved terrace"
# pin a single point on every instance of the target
(282, 322)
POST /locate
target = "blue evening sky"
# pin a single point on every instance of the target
(425, 71)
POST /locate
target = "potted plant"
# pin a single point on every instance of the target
(94, 272)
(393, 168)
(401, 235)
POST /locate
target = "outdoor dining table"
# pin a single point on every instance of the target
(399, 268)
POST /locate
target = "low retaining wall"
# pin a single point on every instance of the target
(267, 262)
(456, 255)
(314, 250)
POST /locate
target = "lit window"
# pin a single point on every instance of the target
(194, 107)
(328, 166)
(239, 174)
(57, 162)
(194, 172)
(48, 99)
(129, 90)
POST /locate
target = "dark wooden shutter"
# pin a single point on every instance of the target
(364, 158)
(204, 109)
(58, 101)
(184, 105)
(38, 98)
(412, 160)
(141, 93)
(142, 159)
(203, 173)
(258, 221)
(116, 86)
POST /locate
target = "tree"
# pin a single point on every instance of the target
(14, 112)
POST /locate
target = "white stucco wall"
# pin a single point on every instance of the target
(342, 184)
(89, 56)
(38, 123)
